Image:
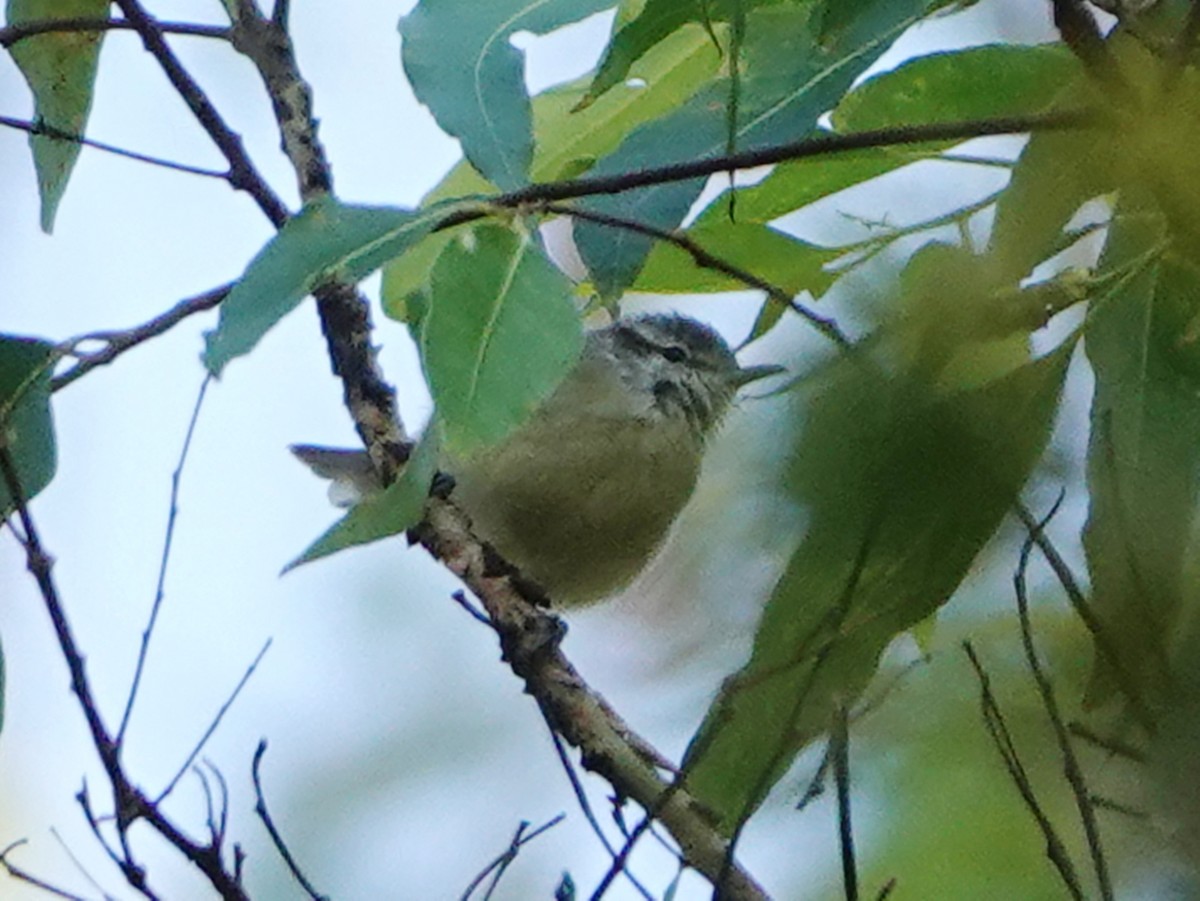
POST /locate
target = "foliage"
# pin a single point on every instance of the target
(916, 440)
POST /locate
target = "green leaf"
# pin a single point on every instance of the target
(977, 83)
(461, 63)
(26, 424)
(498, 334)
(1143, 455)
(969, 84)
(903, 482)
(60, 68)
(787, 80)
(570, 140)
(327, 241)
(787, 262)
(394, 510)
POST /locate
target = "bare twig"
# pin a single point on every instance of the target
(508, 855)
(1071, 768)
(17, 873)
(77, 863)
(1079, 603)
(998, 730)
(216, 721)
(707, 260)
(840, 744)
(586, 807)
(46, 130)
(1113, 746)
(160, 588)
(117, 342)
(260, 807)
(129, 803)
(19, 31)
(819, 145)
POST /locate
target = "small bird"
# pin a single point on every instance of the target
(581, 495)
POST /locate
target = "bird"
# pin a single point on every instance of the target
(581, 495)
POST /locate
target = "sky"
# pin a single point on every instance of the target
(402, 753)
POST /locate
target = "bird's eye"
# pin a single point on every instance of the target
(673, 353)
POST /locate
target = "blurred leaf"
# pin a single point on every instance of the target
(392, 511)
(788, 262)
(26, 423)
(459, 58)
(975, 83)
(1144, 451)
(499, 332)
(788, 79)
(904, 482)
(1055, 175)
(60, 68)
(327, 241)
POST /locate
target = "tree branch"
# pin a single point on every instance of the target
(49, 131)
(12, 34)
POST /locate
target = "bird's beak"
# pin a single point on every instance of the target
(748, 374)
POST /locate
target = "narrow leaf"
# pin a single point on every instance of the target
(328, 240)
(1144, 455)
(395, 510)
(60, 68)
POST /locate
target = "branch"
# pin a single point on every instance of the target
(1071, 767)
(129, 803)
(242, 173)
(994, 721)
(117, 342)
(49, 131)
(529, 638)
(260, 807)
(706, 260)
(819, 145)
(12, 34)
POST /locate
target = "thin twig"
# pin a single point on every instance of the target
(260, 807)
(17, 873)
(508, 855)
(840, 744)
(117, 342)
(19, 31)
(44, 129)
(588, 813)
(77, 863)
(129, 802)
(216, 721)
(819, 145)
(707, 260)
(1083, 609)
(998, 730)
(1113, 746)
(1071, 768)
(160, 588)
